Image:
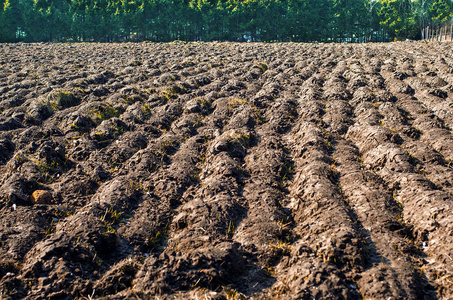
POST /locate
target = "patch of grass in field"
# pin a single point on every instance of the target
(105, 112)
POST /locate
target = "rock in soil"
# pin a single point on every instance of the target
(41, 197)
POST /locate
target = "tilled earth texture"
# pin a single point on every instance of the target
(226, 171)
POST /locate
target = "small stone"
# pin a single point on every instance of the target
(41, 197)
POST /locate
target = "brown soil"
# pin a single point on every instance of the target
(223, 170)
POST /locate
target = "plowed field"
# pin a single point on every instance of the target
(226, 171)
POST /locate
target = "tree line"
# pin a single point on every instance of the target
(207, 20)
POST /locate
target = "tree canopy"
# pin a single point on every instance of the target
(207, 20)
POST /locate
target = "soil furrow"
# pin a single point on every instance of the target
(226, 171)
(388, 243)
(326, 234)
(409, 189)
(363, 192)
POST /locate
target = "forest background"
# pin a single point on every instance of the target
(221, 20)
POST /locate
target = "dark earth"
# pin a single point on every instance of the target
(226, 171)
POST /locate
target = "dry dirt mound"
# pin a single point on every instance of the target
(221, 170)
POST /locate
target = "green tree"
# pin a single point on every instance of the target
(47, 20)
(350, 19)
(309, 20)
(12, 21)
(167, 20)
(398, 17)
(440, 11)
